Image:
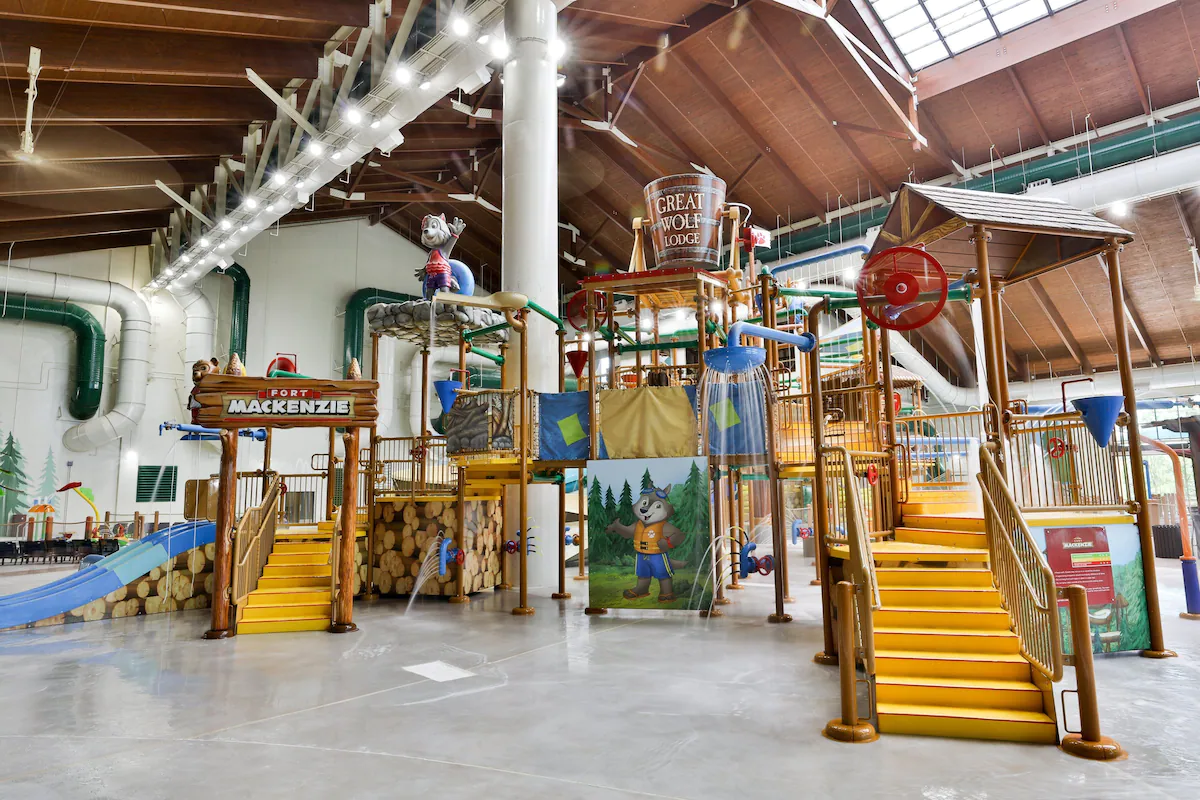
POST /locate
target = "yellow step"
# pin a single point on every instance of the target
(298, 559)
(934, 496)
(931, 664)
(913, 551)
(932, 576)
(284, 547)
(948, 538)
(289, 596)
(270, 613)
(285, 582)
(961, 693)
(943, 522)
(947, 640)
(297, 571)
(958, 618)
(283, 625)
(939, 507)
(939, 596)
(967, 723)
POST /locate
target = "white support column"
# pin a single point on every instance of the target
(530, 242)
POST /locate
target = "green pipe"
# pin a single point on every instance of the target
(281, 373)
(469, 335)
(495, 359)
(84, 400)
(786, 292)
(844, 303)
(354, 328)
(239, 321)
(561, 325)
(1112, 151)
(664, 345)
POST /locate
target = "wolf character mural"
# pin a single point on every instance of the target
(653, 538)
(439, 273)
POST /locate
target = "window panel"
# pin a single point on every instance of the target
(917, 39)
(970, 37)
(1019, 15)
(927, 55)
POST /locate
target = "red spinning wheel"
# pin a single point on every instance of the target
(577, 313)
(902, 288)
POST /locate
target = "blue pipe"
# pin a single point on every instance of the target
(257, 434)
(804, 261)
(804, 342)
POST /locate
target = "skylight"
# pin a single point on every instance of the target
(928, 31)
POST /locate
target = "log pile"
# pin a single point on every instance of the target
(405, 533)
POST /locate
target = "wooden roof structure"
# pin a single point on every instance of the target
(1030, 236)
(768, 98)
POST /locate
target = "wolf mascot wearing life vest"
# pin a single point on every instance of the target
(653, 538)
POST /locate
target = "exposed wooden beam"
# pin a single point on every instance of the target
(802, 84)
(902, 136)
(1060, 325)
(390, 213)
(356, 179)
(617, 18)
(742, 175)
(42, 230)
(410, 197)
(1133, 69)
(137, 104)
(118, 17)
(635, 162)
(61, 143)
(1066, 25)
(882, 38)
(78, 244)
(1134, 317)
(668, 131)
(637, 75)
(710, 88)
(34, 179)
(87, 203)
(1028, 103)
(331, 12)
(81, 49)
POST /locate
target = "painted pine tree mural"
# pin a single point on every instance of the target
(49, 478)
(625, 505)
(16, 482)
(647, 481)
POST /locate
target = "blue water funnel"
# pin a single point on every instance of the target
(447, 392)
(746, 559)
(1100, 415)
(732, 359)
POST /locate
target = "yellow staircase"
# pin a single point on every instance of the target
(946, 661)
(293, 592)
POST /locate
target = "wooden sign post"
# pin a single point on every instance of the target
(230, 402)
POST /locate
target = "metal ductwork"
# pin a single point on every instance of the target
(934, 381)
(133, 366)
(201, 323)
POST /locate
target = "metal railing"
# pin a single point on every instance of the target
(1020, 571)
(793, 422)
(414, 466)
(335, 539)
(253, 541)
(1054, 463)
(868, 474)
(303, 497)
(937, 449)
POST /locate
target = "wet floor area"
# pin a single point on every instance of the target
(469, 701)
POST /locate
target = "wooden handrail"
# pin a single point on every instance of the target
(253, 540)
(334, 561)
(862, 560)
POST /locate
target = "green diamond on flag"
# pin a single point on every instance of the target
(571, 430)
(724, 414)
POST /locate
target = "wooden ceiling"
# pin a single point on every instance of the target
(137, 90)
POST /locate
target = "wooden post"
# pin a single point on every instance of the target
(778, 536)
(562, 593)
(29, 527)
(735, 555)
(266, 476)
(369, 592)
(581, 487)
(504, 584)
(343, 620)
(987, 300)
(156, 523)
(88, 526)
(1001, 361)
(460, 541)
(1141, 492)
(593, 408)
(226, 518)
(637, 337)
(1089, 742)
(821, 521)
(848, 728)
(331, 473)
(48, 528)
(889, 413)
(523, 608)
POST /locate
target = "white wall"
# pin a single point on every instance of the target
(300, 281)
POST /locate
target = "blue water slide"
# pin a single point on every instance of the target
(107, 575)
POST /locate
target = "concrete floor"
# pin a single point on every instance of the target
(23, 577)
(556, 706)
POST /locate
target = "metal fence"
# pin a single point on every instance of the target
(938, 450)
(793, 423)
(870, 475)
(1055, 463)
(253, 541)
(414, 466)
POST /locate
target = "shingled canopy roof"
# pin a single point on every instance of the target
(1030, 235)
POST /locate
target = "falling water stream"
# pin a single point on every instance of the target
(429, 568)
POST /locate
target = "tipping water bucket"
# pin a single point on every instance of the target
(577, 358)
(684, 212)
(447, 392)
(1100, 415)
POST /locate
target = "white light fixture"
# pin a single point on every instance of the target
(558, 49)
(185, 258)
(226, 225)
(204, 241)
(278, 179)
(251, 203)
(561, 80)
(337, 155)
(1119, 208)
(223, 245)
(403, 76)
(499, 49)
(300, 184)
(375, 123)
(244, 228)
(353, 116)
(426, 85)
(459, 26)
(483, 38)
(315, 148)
